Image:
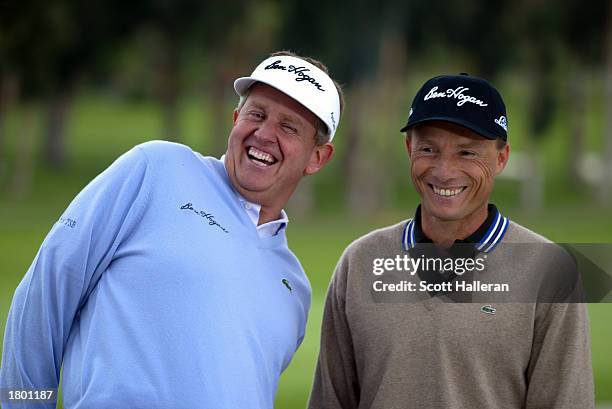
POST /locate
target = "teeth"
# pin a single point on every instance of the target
(261, 155)
(447, 192)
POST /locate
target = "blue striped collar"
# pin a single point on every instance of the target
(484, 239)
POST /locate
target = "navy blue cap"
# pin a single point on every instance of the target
(462, 99)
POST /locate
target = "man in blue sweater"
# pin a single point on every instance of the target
(167, 282)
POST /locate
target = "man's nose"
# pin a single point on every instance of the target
(444, 169)
(265, 133)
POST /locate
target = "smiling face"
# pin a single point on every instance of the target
(272, 146)
(453, 170)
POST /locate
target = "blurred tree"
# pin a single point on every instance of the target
(8, 94)
(606, 188)
(13, 66)
(535, 34)
(173, 23)
(169, 38)
(478, 30)
(583, 24)
(51, 44)
(390, 107)
(24, 58)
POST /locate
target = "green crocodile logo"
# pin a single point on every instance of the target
(488, 309)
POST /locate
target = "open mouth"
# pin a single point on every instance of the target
(260, 158)
(447, 191)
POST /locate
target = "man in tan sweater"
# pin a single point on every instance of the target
(388, 343)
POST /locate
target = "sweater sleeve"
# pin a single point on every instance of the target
(559, 374)
(72, 258)
(336, 383)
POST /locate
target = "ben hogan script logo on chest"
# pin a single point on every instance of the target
(208, 216)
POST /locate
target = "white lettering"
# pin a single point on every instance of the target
(377, 266)
(456, 93)
(477, 286)
(435, 287)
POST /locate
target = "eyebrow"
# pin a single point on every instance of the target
(471, 144)
(254, 104)
(292, 118)
(424, 139)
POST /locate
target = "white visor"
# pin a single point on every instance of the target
(303, 82)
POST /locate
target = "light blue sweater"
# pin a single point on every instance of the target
(155, 291)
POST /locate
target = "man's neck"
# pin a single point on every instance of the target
(268, 214)
(445, 232)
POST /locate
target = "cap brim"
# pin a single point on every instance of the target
(242, 84)
(465, 124)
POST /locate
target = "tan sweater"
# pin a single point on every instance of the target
(428, 354)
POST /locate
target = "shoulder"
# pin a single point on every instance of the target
(529, 245)
(380, 240)
(532, 253)
(158, 150)
(520, 234)
(175, 156)
(356, 260)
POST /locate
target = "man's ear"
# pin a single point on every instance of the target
(409, 145)
(503, 155)
(319, 157)
(235, 116)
